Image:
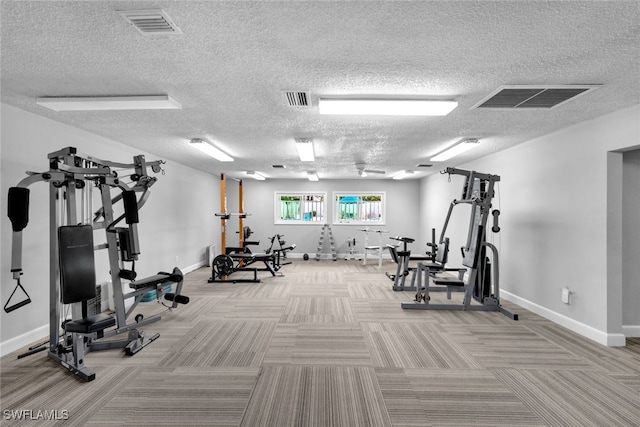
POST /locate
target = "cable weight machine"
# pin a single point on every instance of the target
(482, 284)
(72, 177)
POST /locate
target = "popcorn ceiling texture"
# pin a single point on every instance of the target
(234, 60)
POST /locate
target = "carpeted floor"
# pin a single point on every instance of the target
(329, 345)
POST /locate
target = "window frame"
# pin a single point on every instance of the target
(277, 213)
(336, 220)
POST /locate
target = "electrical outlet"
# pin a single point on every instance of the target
(176, 258)
(566, 296)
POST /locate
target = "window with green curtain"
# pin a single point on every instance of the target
(300, 208)
(359, 208)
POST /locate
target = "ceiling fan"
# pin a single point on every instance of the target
(360, 167)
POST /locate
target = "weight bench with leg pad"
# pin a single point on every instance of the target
(223, 266)
(157, 283)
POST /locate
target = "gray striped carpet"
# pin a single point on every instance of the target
(329, 345)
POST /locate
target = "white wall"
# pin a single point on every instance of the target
(175, 226)
(403, 216)
(556, 214)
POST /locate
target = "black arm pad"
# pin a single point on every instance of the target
(18, 207)
(130, 206)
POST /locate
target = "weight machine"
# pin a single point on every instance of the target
(482, 284)
(72, 177)
(234, 259)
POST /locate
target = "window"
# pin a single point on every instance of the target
(359, 208)
(300, 208)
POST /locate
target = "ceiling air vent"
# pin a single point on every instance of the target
(296, 99)
(278, 166)
(518, 97)
(150, 22)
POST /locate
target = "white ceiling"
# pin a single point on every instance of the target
(233, 61)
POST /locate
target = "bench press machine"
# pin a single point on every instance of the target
(482, 284)
(72, 178)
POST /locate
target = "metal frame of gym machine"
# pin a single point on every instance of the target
(478, 191)
(71, 173)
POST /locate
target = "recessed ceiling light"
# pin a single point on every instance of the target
(403, 174)
(305, 149)
(256, 175)
(386, 107)
(210, 150)
(91, 103)
(459, 148)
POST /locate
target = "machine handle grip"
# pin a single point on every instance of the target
(496, 227)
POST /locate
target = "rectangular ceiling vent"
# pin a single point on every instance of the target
(150, 22)
(296, 99)
(520, 97)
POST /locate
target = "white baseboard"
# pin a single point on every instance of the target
(631, 331)
(18, 342)
(611, 340)
(193, 267)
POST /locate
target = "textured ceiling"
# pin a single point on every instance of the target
(233, 61)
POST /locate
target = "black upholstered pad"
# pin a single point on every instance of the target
(94, 323)
(263, 257)
(77, 268)
(158, 279)
(448, 281)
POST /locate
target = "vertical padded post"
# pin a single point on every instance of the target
(18, 207)
(130, 206)
(77, 264)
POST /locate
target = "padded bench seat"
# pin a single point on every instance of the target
(242, 256)
(448, 281)
(262, 257)
(155, 280)
(89, 324)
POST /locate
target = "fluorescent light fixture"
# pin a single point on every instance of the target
(93, 103)
(403, 175)
(312, 176)
(461, 147)
(256, 175)
(210, 150)
(305, 149)
(386, 107)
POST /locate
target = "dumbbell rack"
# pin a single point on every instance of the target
(321, 242)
